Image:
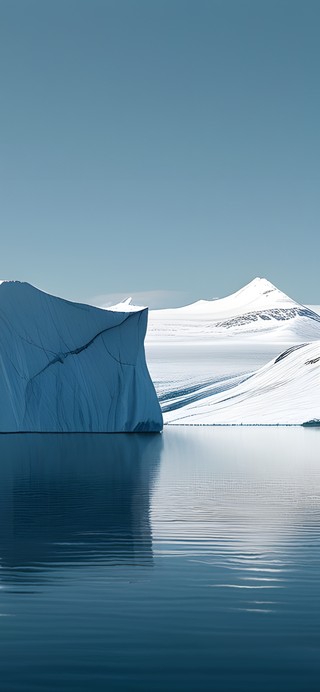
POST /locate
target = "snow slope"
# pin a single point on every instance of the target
(315, 308)
(257, 311)
(286, 391)
(68, 367)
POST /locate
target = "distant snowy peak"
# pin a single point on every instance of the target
(259, 309)
(125, 305)
(257, 288)
(258, 294)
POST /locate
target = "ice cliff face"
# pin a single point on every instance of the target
(68, 367)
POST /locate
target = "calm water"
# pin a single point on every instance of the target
(186, 561)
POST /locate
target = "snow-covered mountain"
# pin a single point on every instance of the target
(69, 367)
(259, 310)
(286, 391)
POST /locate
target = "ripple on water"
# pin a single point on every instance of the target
(187, 561)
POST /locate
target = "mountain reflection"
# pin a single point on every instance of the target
(75, 498)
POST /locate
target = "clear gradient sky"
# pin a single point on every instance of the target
(169, 148)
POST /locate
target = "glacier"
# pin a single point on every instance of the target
(71, 367)
(216, 362)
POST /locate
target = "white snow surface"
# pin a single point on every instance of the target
(70, 367)
(259, 311)
(213, 362)
(286, 391)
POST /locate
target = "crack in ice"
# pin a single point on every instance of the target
(61, 357)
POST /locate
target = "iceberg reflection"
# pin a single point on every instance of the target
(69, 499)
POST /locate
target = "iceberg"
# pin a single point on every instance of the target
(71, 367)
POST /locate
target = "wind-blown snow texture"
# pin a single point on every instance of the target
(68, 367)
(286, 391)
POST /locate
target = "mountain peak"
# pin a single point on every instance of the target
(259, 294)
(260, 286)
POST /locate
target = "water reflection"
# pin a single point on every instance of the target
(243, 506)
(229, 522)
(68, 499)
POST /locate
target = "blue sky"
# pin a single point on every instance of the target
(165, 148)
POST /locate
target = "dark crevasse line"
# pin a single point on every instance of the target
(278, 314)
(173, 394)
(221, 386)
(286, 353)
(61, 357)
(165, 397)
